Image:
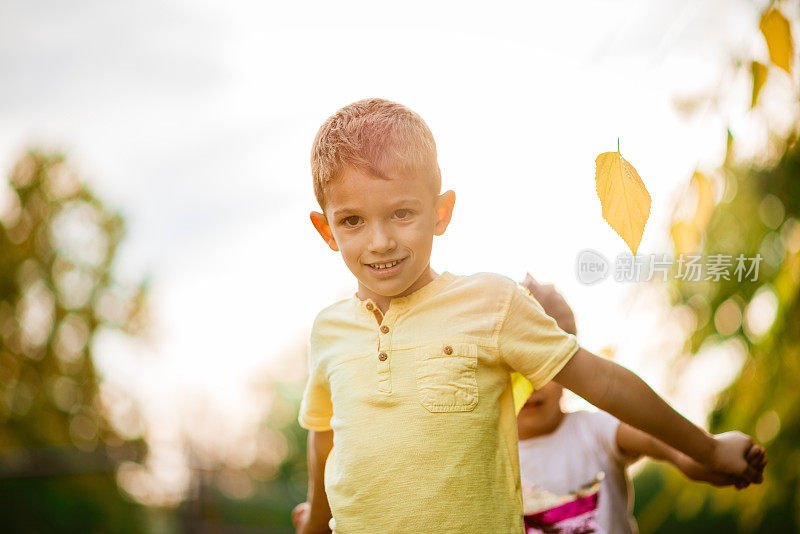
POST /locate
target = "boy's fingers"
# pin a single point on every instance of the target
(759, 451)
(757, 476)
(297, 513)
(752, 454)
(751, 474)
(530, 279)
(760, 463)
(760, 460)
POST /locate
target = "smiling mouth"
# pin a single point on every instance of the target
(385, 265)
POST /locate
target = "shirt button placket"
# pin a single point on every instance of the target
(384, 348)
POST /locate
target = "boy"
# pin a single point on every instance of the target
(562, 452)
(409, 390)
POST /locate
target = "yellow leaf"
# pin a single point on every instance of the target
(729, 149)
(759, 77)
(686, 233)
(705, 201)
(521, 389)
(623, 196)
(685, 237)
(778, 35)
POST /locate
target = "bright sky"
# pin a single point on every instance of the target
(195, 120)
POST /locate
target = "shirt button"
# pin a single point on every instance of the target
(382, 356)
(448, 350)
(369, 306)
(384, 329)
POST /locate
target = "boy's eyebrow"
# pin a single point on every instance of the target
(408, 201)
(403, 201)
(343, 211)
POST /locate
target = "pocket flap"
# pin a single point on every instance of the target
(446, 375)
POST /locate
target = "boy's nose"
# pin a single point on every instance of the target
(380, 240)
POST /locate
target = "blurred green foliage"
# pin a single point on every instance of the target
(277, 489)
(759, 213)
(58, 448)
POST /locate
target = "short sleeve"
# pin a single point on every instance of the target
(604, 427)
(530, 341)
(316, 409)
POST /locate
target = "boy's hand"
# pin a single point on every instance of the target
(300, 515)
(303, 524)
(635, 443)
(736, 454)
(301, 519)
(756, 457)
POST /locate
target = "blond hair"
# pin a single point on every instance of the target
(376, 136)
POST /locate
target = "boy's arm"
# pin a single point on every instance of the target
(315, 516)
(633, 442)
(621, 393)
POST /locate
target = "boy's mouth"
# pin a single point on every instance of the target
(385, 268)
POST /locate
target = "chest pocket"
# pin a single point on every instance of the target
(447, 376)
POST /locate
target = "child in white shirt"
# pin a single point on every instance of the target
(562, 454)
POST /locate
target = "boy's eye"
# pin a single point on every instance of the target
(403, 213)
(350, 221)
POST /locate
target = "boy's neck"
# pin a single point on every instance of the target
(542, 430)
(383, 302)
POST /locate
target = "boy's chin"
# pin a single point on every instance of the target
(384, 288)
(395, 286)
(388, 289)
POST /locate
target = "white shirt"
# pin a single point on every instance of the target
(583, 445)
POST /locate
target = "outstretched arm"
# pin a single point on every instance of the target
(621, 393)
(633, 442)
(312, 516)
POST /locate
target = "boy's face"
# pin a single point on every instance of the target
(377, 221)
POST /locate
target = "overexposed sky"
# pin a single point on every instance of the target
(195, 120)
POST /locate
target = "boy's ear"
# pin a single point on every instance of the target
(444, 211)
(320, 222)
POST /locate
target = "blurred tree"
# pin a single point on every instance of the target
(759, 215)
(58, 447)
(277, 477)
(753, 316)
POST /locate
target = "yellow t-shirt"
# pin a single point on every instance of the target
(420, 403)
